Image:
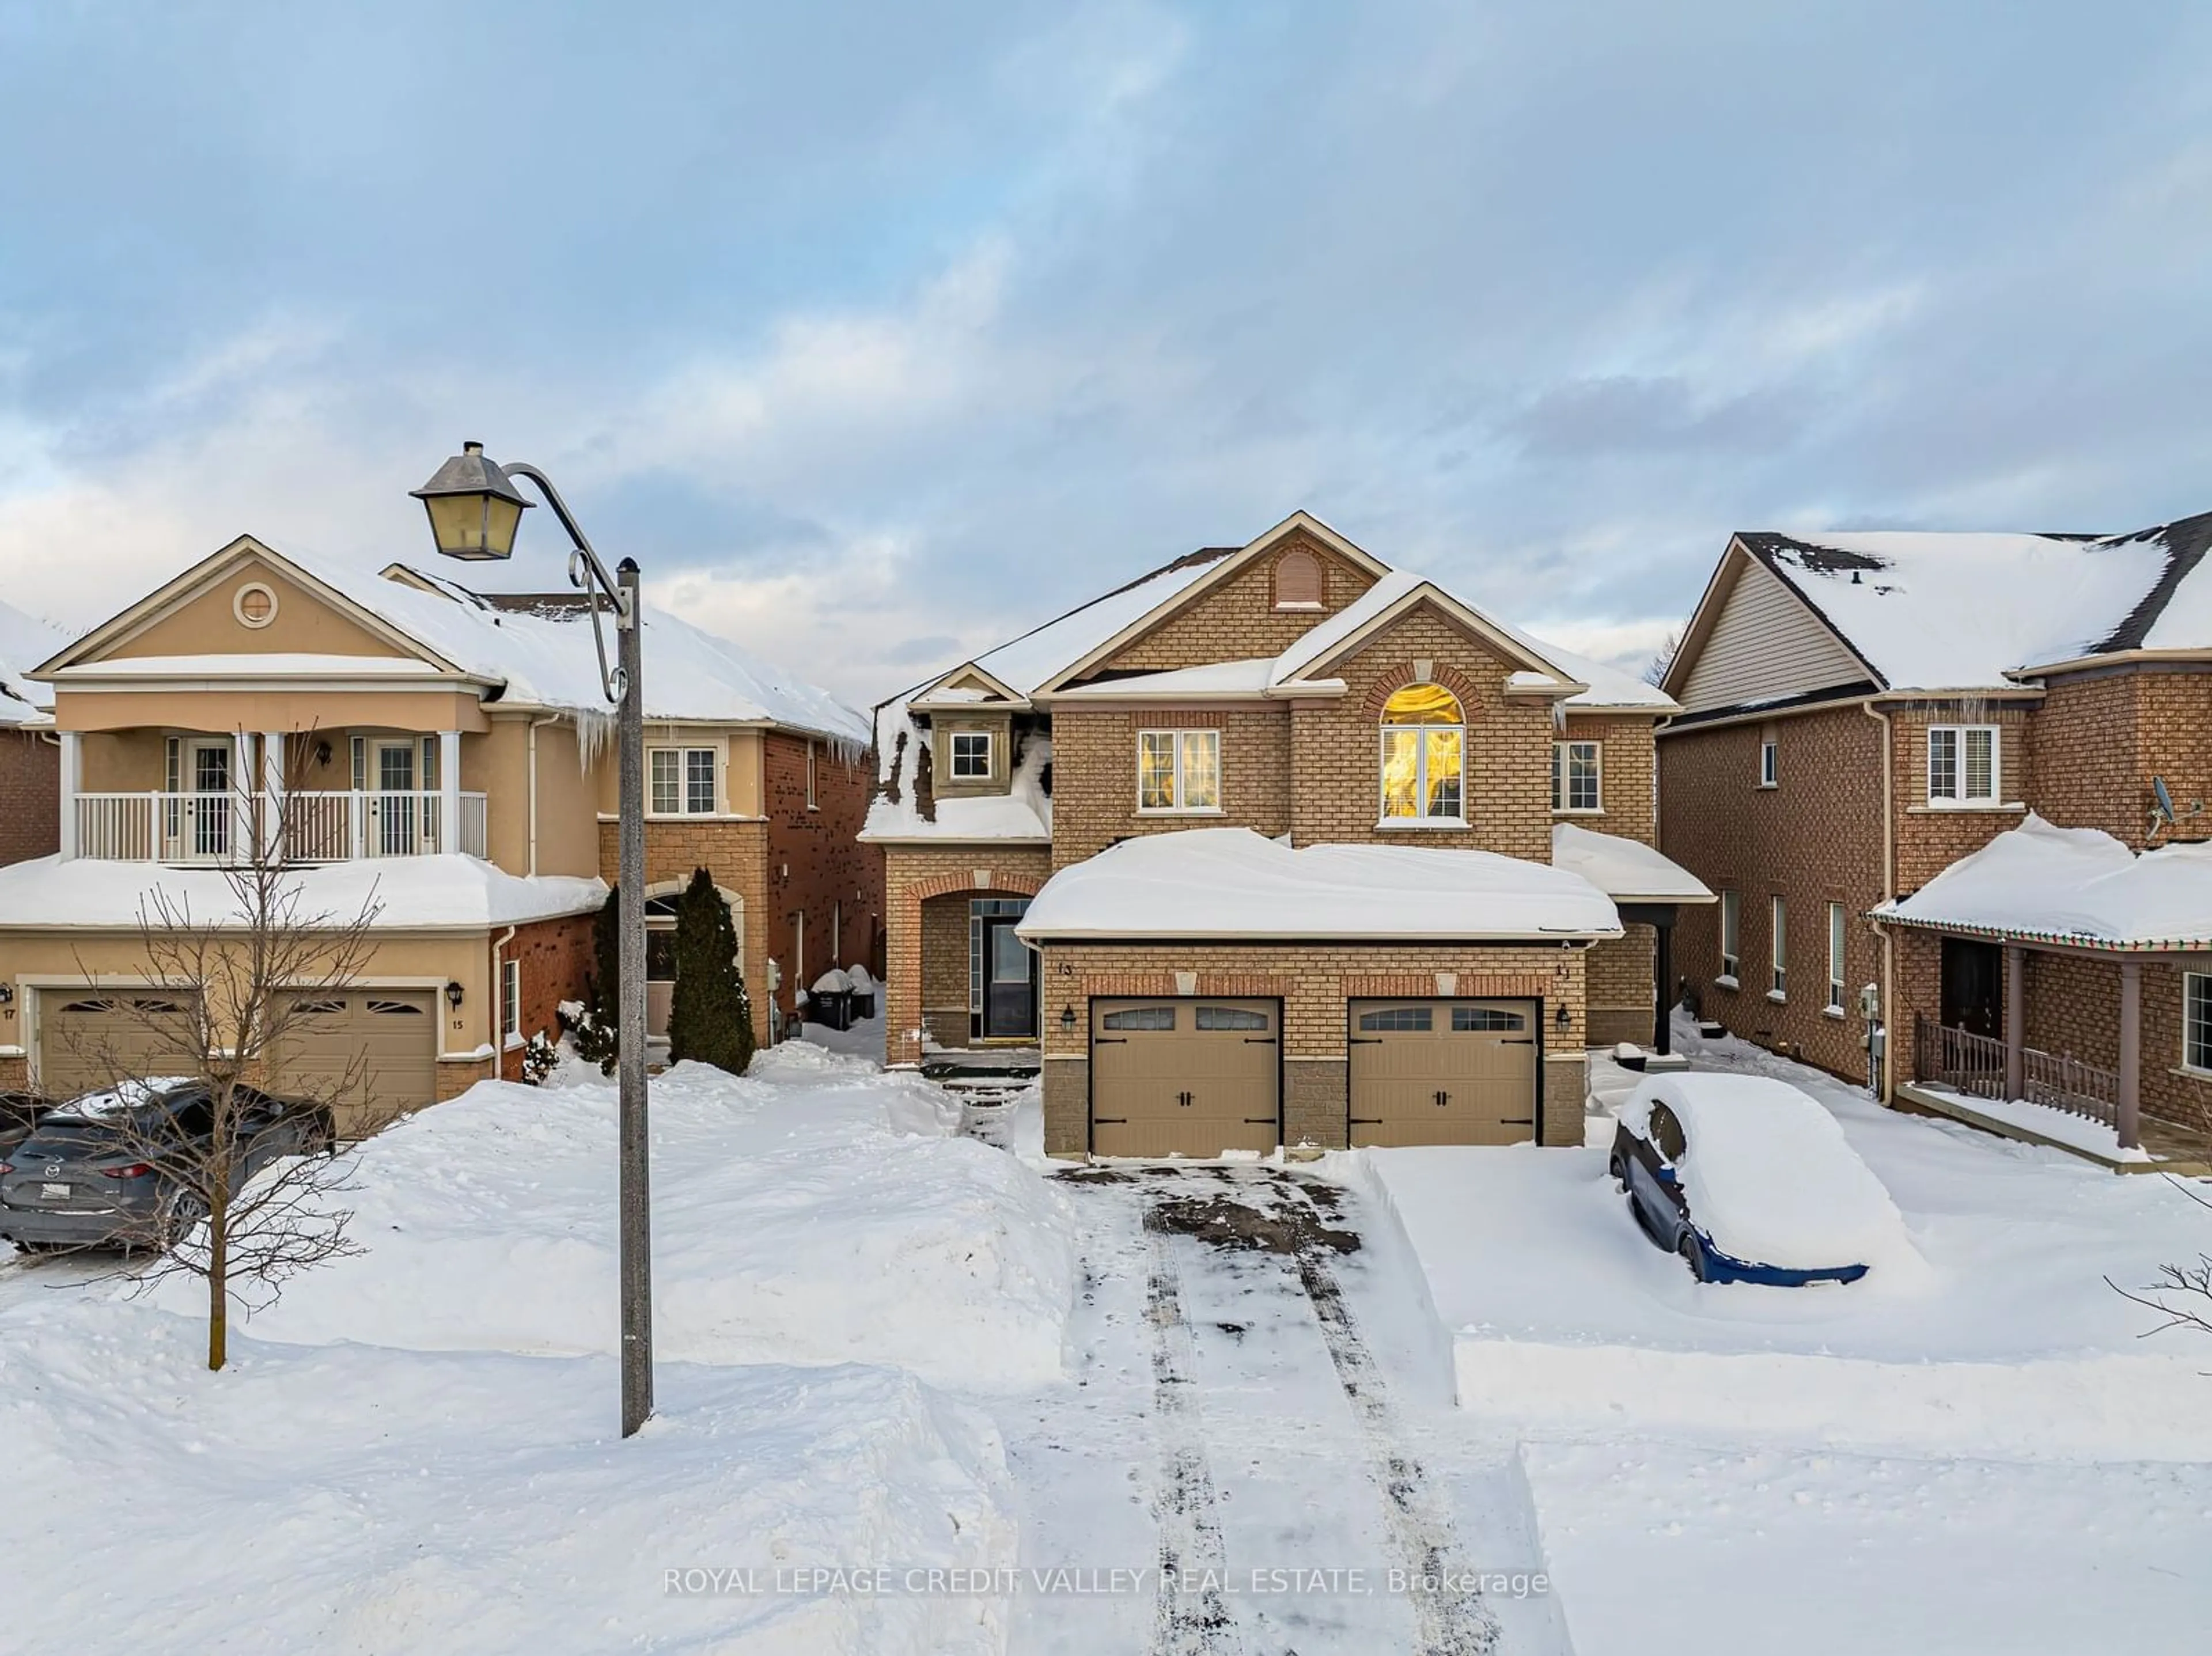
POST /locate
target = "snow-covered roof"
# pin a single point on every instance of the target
(1626, 870)
(441, 893)
(2041, 884)
(1957, 611)
(1769, 1176)
(1250, 676)
(1609, 687)
(1032, 659)
(25, 641)
(1233, 883)
(905, 809)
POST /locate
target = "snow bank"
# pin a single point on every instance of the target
(1769, 1176)
(818, 1211)
(1233, 883)
(349, 1498)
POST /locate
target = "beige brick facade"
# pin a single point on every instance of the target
(921, 928)
(1094, 750)
(734, 852)
(1236, 619)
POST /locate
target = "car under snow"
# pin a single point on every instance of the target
(1751, 1180)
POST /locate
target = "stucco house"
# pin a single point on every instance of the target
(30, 821)
(446, 754)
(1274, 844)
(1917, 766)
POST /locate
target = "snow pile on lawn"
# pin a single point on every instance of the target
(1230, 882)
(2071, 885)
(346, 1497)
(1769, 1176)
(817, 1211)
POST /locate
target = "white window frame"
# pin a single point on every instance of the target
(1836, 945)
(2197, 1009)
(1423, 818)
(683, 756)
(1178, 775)
(1562, 776)
(990, 741)
(510, 1002)
(1777, 947)
(1770, 762)
(811, 803)
(1731, 938)
(1960, 737)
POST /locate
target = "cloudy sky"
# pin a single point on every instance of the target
(878, 331)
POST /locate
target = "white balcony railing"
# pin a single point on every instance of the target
(311, 826)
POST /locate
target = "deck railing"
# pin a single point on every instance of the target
(1975, 1064)
(217, 828)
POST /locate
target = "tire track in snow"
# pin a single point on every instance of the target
(1190, 1544)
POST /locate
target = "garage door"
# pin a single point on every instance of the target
(1184, 1078)
(370, 1053)
(1443, 1072)
(87, 1042)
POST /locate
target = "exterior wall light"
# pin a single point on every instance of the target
(1067, 1019)
(454, 996)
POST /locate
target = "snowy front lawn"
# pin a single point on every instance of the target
(416, 1448)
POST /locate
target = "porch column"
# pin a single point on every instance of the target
(2015, 1022)
(449, 791)
(2129, 1121)
(72, 773)
(1662, 984)
(272, 795)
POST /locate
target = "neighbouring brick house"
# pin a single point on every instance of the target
(1275, 843)
(447, 754)
(30, 821)
(1862, 713)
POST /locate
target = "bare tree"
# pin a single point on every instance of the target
(1663, 657)
(2183, 1293)
(249, 1185)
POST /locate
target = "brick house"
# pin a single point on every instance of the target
(448, 753)
(1276, 845)
(1862, 713)
(30, 823)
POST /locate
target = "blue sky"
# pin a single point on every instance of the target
(876, 332)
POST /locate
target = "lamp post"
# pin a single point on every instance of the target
(475, 509)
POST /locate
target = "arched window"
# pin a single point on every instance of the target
(1424, 740)
(1298, 581)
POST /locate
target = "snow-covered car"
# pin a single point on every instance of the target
(1751, 1180)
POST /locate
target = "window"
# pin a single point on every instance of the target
(1142, 1017)
(1731, 938)
(1770, 761)
(810, 805)
(1469, 1019)
(1404, 1020)
(1178, 770)
(1423, 739)
(1298, 581)
(1835, 957)
(1574, 776)
(2196, 1020)
(1667, 1134)
(971, 756)
(510, 999)
(1230, 1017)
(682, 781)
(1962, 765)
(1778, 930)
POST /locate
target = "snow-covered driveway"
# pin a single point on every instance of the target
(1259, 1405)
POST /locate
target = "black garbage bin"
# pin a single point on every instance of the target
(864, 995)
(830, 1002)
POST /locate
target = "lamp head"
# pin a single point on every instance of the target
(474, 509)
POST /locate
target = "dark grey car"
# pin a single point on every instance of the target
(104, 1169)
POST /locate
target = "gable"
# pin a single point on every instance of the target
(1762, 645)
(208, 621)
(1259, 609)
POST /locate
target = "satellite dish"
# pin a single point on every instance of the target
(2158, 792)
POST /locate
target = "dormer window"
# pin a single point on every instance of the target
(971, 756)
(1298, 581)
(1424, 745)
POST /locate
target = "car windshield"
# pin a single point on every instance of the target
(109, 1102)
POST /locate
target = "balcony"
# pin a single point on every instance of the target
(215, 828)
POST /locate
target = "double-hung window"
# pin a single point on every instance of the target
(1779, 932)
(1835, 957)
(1731, 935)
(1575, 785)
(682, 781)
(970, 752)
(510, 1000)
(2196, 1020)
(1179, 770)
(1963, 764)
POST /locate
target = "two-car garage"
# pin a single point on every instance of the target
(1193, 1075)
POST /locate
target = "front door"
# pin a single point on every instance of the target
(1009, 982)
(211, 809)
(396, 805)
(1973, 987)
(660, 976)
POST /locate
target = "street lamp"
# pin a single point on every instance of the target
(475, 509)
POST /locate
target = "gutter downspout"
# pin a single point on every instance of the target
(551, 718)
(498, 1011)
(1888, 1091)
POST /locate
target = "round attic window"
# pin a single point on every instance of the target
(254, 605)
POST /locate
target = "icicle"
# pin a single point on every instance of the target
(595, 734)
